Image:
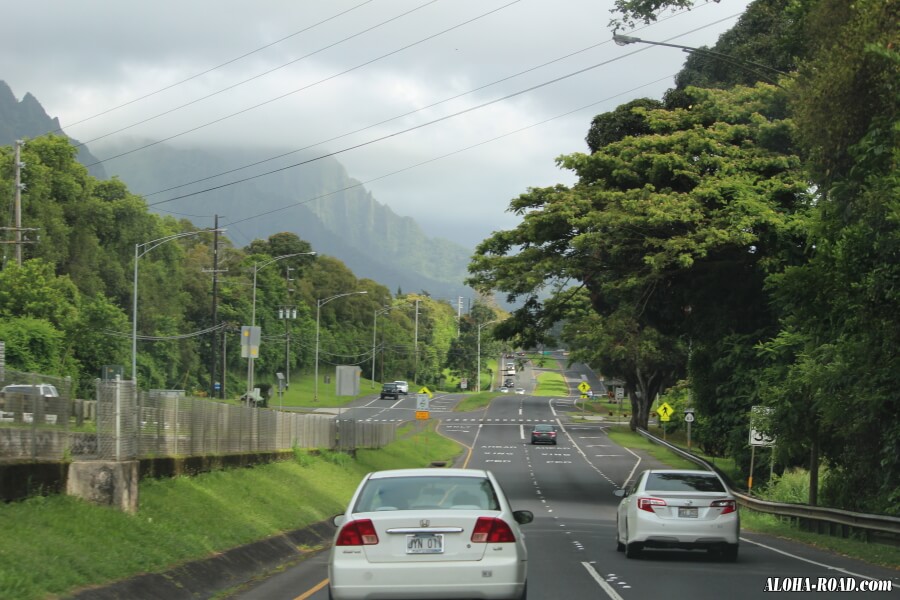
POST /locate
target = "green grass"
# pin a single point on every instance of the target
(476, 401)
(53, 545)
(879, 554)
(551, 383)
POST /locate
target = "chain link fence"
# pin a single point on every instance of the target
(39, 420)
(35, 413)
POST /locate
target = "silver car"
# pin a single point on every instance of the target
(429, 533)
(668, 508)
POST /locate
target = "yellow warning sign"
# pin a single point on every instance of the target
(422, 415)
(425, 390)
(664, 411)
(583, 387)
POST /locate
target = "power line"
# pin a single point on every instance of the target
(282, 96)
(406, 114)
(437, 158)
(257, 76)
(211, 69)
(425, 124)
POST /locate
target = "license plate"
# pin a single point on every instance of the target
(425, 543)
(689, 512)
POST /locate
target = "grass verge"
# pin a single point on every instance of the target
(54, 545)
(551, 383)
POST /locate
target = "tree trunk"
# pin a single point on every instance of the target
(814, 468)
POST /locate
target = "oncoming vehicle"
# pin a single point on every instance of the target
(429, 533)
(667, 508)
(403, 386)
(543, 434)
(390, 390)
(520, 391)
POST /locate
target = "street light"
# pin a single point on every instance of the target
(319, 304)
(478, 374)
(624, 40)
(139, 251)
(256, 267)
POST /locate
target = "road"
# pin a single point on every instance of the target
(571, 542)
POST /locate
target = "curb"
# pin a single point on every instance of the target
(206, 577)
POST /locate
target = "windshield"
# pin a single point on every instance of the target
(412, 493)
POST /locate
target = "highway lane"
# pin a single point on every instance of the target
(571, 543)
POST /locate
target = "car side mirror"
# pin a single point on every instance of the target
(620, 493)
(338, 520)
(523, 517)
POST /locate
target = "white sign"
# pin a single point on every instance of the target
(759, 416)
(620, 393)
(422, 401)
(688, 417)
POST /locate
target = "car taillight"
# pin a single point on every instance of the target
(552, 434)
(357, 533)
(490, 530)
(648, 503)
(727, 506)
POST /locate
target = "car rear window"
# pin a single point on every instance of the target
(416, 493)
(683, 482)
(543, 428)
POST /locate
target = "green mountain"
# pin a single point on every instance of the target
(27, 119)
(317, 201)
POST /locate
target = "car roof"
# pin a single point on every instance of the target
(429, 472)
(683, 471)
(544, 426)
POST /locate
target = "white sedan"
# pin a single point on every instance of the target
(429, 533)
(667, 508)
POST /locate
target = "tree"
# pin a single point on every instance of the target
(695, 214)
(836, 355)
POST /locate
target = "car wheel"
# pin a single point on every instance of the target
(620, 547)
(632, 550)
(730, 553)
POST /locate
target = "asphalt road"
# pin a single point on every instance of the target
(571, 543)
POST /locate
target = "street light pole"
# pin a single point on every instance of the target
(256, 267)
(624, 40)
(139, 251)
(319, 304)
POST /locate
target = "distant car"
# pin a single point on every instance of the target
(520, 353)
(43, 389)
(520, 391)
(402, 386)
(667, 508)
(509, 383)
(504, 390)
(390, 390)
(543, 434)
(429, 533)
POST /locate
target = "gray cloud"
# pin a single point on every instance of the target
(81, 58)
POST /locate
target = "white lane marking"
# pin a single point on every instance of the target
(818, 564)
(603, 585)
(521, 432)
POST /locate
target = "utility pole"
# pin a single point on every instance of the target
(19, 165)
(215, 316)
(459, 300)
(416, 345)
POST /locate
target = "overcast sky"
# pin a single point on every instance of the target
(355, 64)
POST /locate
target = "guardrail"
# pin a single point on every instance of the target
(827, 521)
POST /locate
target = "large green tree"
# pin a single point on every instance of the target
(671, 233)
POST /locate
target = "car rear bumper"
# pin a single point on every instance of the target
(488, 579)
(685, 533)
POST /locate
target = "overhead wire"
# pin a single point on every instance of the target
(282, 96)
(394, 118)
(211, 69)
(425, 124)
(257, 76)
